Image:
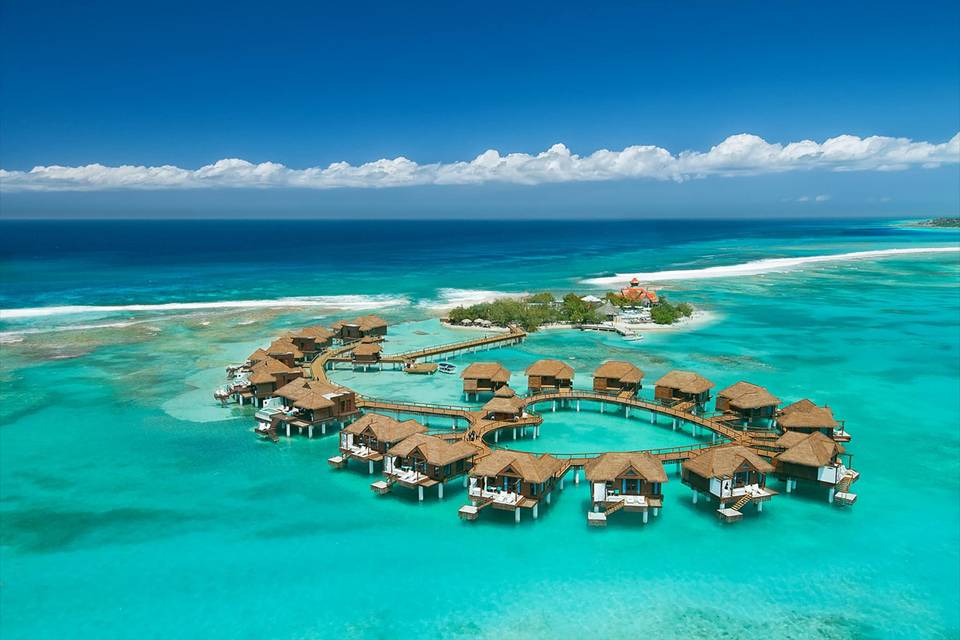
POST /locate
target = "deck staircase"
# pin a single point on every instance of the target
(614, 508)
(844, 485)
(741, 503)
(484, 502)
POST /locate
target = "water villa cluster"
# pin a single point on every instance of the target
(752, 438)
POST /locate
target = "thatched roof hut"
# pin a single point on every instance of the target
(384, 428)
(745, 396)
(614, 465)
(493, 371)
(504, 403)
(528, 467)
(433, 450)
(723, 462)
(550, 368)
(808, 450)
(805, 415)
(685, 382)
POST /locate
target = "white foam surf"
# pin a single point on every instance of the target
(350, 302)
(767, 265)
(452, 298)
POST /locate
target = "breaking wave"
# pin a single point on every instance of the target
(355, 302)
(767, 265)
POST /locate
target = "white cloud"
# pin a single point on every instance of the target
(742, 154)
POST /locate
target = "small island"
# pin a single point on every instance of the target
(632, 305)
(939, 223)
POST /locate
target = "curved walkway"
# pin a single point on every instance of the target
(477, 426)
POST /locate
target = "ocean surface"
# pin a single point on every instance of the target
(134, 506)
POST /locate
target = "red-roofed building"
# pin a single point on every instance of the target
(636, 293)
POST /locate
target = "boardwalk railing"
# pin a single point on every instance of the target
(668, 453)
(411, 407)
(576, 394)
(457, 346)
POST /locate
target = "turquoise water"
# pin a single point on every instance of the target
(131, 505)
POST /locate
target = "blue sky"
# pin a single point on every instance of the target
(188, 85)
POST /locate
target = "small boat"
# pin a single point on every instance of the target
(446, 367)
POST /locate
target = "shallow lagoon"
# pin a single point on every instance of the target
(133, 506)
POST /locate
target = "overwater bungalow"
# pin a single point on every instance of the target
(616, 377)
(268, 375)
(312, 340)
(804, 416)
(504, 405)
(627, 481)
(748, 404)
(547, 376)
(511, 481)
(422, 461)
(307, 405)
(731, 474)
(685, 388)
(484, 377)
(815, 458)
(366, 355)
(369, 437)
(361, 327)
(284, 350)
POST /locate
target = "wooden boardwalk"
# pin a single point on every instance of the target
(476, 427)
(342, 354)
(711, 424)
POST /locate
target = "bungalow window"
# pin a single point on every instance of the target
(446, 470)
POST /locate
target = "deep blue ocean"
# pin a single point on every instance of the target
(133, 506)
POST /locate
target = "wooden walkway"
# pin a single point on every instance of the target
(477, 427)
(342, 354)
(710, 424)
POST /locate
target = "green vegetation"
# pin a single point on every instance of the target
(666, 313)
(539, 309)
(941, 222)
(531, 312)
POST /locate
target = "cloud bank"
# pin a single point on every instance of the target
(738, 155)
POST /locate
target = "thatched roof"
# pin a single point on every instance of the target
(315, 332)
(266, 370)
(723, 462)
(434, 450)
(504, 392)
(607, 309)
(501, 404)
(805, 414)
(623, 371)
(300, 388)
(486, 371)
(364, 323)
(685, 382)
(385, 428)
(367, 349)
(552, 368)
(529, 467)
(810, 450)
(313, 400)
(744, 395)
(284, 345)
(611, 466)
(257, 356)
